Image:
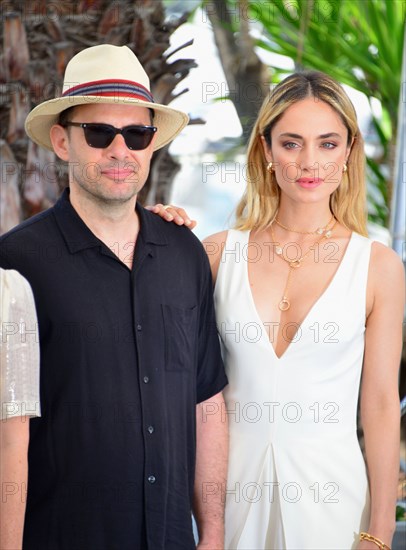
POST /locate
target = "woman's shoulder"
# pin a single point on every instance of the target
(385, 260)
(214, 245)
(386, 275)
(217, 238)
(222, 237)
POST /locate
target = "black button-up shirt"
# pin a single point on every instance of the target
(125, 357)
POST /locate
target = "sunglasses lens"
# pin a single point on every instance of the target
(99, 135)
(137, 137)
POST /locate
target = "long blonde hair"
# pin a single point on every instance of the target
(260, 202)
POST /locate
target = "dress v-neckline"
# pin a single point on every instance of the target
(310, 310)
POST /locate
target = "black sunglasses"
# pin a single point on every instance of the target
(101, 136)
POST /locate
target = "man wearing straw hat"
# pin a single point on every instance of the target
(127, 332)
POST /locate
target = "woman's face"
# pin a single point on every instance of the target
(309, 149)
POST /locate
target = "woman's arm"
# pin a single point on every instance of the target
(380, 414)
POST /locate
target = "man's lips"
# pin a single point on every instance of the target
(309, 182)
(118, 174)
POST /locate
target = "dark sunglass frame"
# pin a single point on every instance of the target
(106, 133)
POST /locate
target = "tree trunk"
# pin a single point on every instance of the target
(247, 77)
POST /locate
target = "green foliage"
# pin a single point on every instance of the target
(400, 513)
(360, 40)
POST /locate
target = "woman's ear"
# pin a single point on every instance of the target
(60, 141)
(267, 151)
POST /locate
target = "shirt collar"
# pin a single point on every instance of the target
(79, 237)
(152, 227)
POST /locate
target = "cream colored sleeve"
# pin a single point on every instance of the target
(19, 341)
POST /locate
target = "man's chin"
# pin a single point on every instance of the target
(120, 199)
(117, 198)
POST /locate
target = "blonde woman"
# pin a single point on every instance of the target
(307, 307)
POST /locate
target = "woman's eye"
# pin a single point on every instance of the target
(329, 145)
(290, 145)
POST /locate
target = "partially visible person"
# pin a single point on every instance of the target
(19, 378)
(310, 314)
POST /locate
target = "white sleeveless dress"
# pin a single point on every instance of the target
(297, 479)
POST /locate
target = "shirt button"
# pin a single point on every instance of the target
(146, 379)
(151, 479)
(139, 327)
(151, 429)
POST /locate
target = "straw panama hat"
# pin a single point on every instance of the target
(104, 74)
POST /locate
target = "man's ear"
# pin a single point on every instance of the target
(60, 141)
(267, 152)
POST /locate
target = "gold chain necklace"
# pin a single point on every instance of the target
(284, 304)
(319, 230)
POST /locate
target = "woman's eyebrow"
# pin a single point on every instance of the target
(321, 136)
(288, 134)
(329, 135)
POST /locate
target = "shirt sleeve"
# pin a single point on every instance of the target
(19, 369)
(211, 376)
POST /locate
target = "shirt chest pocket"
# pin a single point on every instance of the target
(180, 325)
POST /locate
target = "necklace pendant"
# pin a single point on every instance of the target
(278, 250)
(295, 263)
(328, 234)
(284, 304)
(320, 231)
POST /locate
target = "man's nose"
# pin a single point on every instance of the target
(118, 148)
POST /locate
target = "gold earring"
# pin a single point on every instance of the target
(269, 167)
(344, 167)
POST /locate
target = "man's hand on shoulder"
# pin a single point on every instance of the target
(172, 213)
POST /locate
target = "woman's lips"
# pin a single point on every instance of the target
(309, 183)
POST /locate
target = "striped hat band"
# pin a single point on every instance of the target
(111, 88)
